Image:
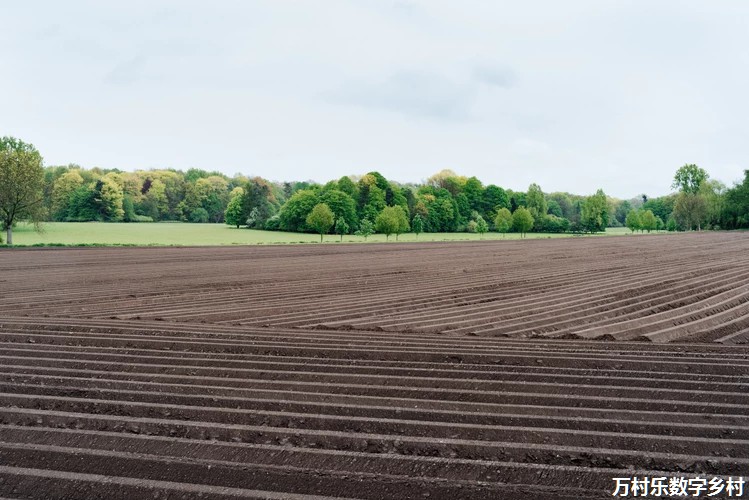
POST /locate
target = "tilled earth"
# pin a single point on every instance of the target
(480, 370)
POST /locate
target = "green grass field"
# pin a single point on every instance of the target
(184, 234)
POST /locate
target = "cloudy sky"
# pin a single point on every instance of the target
(573, 95)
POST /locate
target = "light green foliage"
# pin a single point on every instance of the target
(481, 226)
(21, 184)
(536, 202)
(233, 213)
(110, 199)
(594, 212)
(320, 219)
(689, 178)
(366, 229)
(392, 220)
(671, 224)
(503, 221)
(633, 220)
(63, 190)
(341, 226)
(648, 222)
(522, 220)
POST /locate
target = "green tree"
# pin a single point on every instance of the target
(503, 221)
(341, 226)
(21, 185)
(648, 221)
(366, 229)
(233, 213)
(690, 210)
(63, 190)
(200, 215)
(633, 220)
(320, 219)
(594, 212)
(109, 198)
(689, 178)
(392, 220)
(293, 214)
(481, 226)
(417, 224)
(536, 202)
(522, 221)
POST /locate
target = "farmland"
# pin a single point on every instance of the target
(520, 369)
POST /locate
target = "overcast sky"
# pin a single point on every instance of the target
(573, 95)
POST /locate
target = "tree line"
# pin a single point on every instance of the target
(445, 202)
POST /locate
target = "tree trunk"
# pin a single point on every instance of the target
(9, 235)
(320, 237)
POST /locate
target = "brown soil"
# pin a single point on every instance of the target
(380, 371)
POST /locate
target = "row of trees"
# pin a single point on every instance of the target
(446, 202)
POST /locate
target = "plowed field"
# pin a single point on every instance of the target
(458, 371)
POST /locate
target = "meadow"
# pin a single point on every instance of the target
(186, 234)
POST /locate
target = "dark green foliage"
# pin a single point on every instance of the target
(417, 224)
(293, 215)
(342, 205)
(199, 215)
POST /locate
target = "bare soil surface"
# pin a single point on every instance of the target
(497, 370)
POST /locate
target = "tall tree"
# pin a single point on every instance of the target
(594, 212)
(417, 224)
(233, 213)
(536, 202)
(503, 221)
(632, 220)
(689, 178)
(21, 184)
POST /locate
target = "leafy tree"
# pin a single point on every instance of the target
(633, 220)
(554, 208)
(689, 178)
(293, 214)
(671, 224)
(736, 208)
(366, 229)
(690, 210)
(341, 226)
(648, 221)
(21, 184)
(503, 221)
(417, 224)
(535, 201)
(320, 219)
(109, 198)
(233, 213)
(392, 220)
(522, 221)
(342, 205)
(594, 212)
(258, 194)
(481, 226)
(200, 214)
(62, 192)
(492, 199)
